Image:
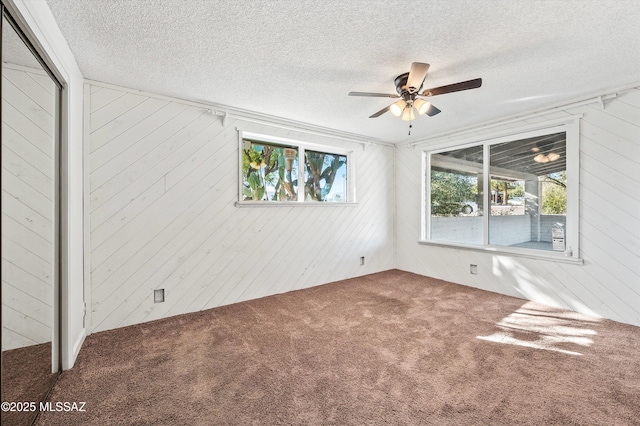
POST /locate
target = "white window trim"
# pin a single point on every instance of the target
(302, 146)
(570, 125)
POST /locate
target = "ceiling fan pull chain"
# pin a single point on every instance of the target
(410, 126)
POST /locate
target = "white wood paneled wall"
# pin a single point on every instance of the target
(163, 182)
(27, 207)
(608, 284)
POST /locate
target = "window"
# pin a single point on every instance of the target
(270, 172)
(527, 184)
(271, 169)
(456, 196)
(325, 176)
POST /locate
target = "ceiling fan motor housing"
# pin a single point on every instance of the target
(401, 85)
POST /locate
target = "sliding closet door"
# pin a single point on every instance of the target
(29, 226)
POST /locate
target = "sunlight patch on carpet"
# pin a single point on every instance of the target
(541, 327)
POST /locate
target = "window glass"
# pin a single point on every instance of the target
(270, 172)
(554, 193)
(526, 185)
(325, 177)
(456, 196)
(526, 181)
(281, 170)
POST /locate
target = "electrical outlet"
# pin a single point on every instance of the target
(158, 295)
(361, 260)
(473, 269)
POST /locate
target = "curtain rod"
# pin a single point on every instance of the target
(600, 98)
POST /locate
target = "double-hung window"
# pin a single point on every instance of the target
(276, 170)
(516, 193)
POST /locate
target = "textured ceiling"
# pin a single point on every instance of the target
(299, 59)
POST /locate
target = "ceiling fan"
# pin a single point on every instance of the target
(409, 85)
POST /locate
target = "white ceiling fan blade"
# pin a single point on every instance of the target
(432, 111)
(417, 74)
(382, 111)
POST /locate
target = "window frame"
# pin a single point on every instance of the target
(571, 126)
(302, 146)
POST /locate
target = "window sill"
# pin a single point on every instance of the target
(510, 251)
(243, 204)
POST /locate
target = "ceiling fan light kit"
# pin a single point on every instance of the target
(408, 86)
(408, 114)
(397, 108)
(421, 106)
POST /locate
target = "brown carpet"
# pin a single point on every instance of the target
(26, 376)
(387, 348)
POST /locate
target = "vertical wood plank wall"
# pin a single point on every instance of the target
(27, 207)
(608, 284)
(163, 182)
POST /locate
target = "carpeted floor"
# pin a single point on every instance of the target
(26, 376)
(387, 348)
